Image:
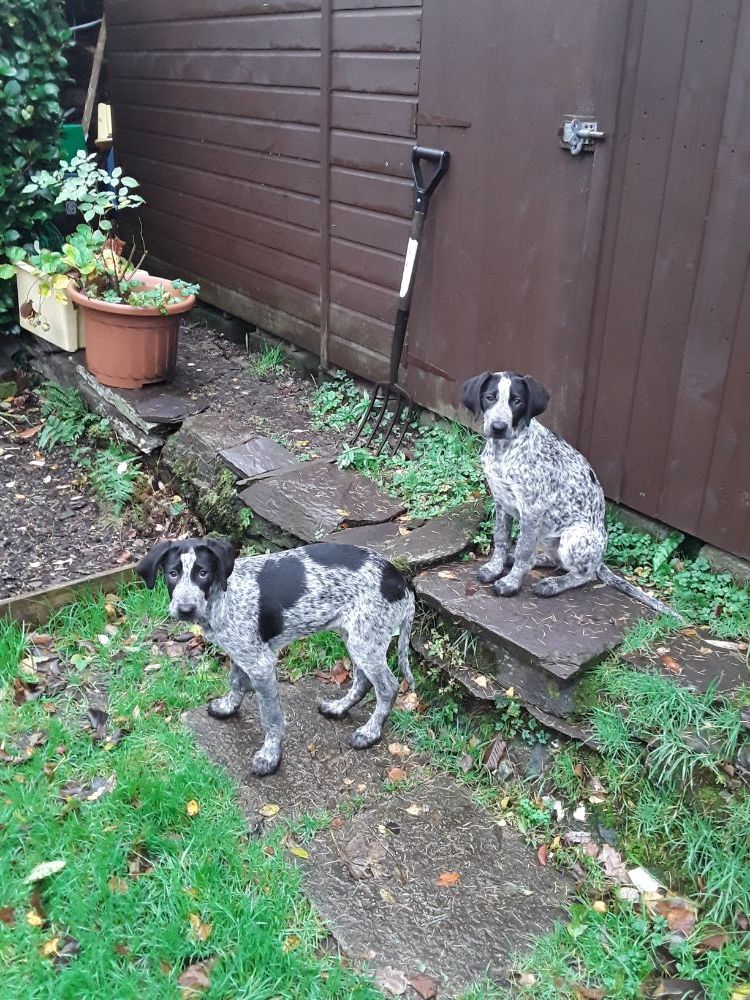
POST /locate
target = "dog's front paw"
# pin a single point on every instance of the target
(547, 587)
(489, 573)
(362, 739)
(506, 588)
(331, 709)
(265, 763)
(222, 708)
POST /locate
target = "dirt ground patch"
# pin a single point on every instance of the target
(276, 402)
(52, 526)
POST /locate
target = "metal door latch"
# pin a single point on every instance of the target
(579, 135)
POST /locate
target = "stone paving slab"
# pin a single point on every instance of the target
(418, 542)
(311, 502)
(319, 770)
(193, 452)
(397, 915)
(559, 635)
(259, 458)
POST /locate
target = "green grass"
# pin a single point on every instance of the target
(270, 361)
(135, 934)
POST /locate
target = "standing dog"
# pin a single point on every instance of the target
(547, 485)
(253, 607)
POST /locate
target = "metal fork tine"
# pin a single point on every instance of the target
(373, 398)
(379, 418)
(405, 425)
(399, 402)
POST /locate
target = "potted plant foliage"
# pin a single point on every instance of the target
(131, 319)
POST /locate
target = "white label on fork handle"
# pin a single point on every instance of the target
(411, 255)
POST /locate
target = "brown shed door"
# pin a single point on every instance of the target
(511, 249)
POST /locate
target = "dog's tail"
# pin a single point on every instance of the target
(606, 575)
(404, 635)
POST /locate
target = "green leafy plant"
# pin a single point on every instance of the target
(115, 476)
(91, 256)
(66, 418)
(33, 43)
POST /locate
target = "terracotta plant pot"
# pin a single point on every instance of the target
(128, 347)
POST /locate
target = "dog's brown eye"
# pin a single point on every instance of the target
(203, 573)
(515, 402)
(491, 397)
(173, 574)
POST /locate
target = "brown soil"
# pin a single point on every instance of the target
(52, 528)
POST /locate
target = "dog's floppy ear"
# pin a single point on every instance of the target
(149, 566)
(224, 554)
(471, 392)
(538, 397)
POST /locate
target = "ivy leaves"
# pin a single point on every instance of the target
(32, 68)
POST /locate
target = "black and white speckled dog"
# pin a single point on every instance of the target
(547, 485)
(252, 607)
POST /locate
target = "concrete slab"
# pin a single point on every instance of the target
(418, 543)
(259, 458)
(319, 769)
(559, 636)
(375, 882)
(311, 502)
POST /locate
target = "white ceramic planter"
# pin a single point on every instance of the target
(56, 322)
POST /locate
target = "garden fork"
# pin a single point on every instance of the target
(391, 391)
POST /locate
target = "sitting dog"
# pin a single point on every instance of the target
(547, 485)
(253, 607)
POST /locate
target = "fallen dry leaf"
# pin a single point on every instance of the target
(679, 913)
(415, 810)
(424, 986)
(192, 808)
(297, 851)
(715, 941)
(396, 774)
(117, 884)
(45, 869)
(363, 857)
(494, 753)
(448, 879)
(200, 930)
(523, 978)
(291, 941)
(7, 915)
(481, 681)
(34, 918)
(387, 896)
(739, 647)
(399, 749)
(588, 992)
(643, 881)
(408, 702)
(599, 906)
(194, 980)
(614, 865)
(269, 809)
(466, 762)
(681, 989)
(393, 981)
(542, 854)
(446, 574)
(671, 665)
(337, 822)
(340, 672)
(49, 948)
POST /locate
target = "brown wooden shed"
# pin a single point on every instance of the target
(272, 139)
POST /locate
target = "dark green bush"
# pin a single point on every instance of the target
(34, 37)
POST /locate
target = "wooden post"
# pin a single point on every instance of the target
(96, 68)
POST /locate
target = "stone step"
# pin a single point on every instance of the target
(374, 879)
(417, 543)
(538, 646)
(317, 498)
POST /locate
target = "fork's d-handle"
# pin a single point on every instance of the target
(422, 192)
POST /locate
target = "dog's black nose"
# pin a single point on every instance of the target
(498, 428)
(185, 610)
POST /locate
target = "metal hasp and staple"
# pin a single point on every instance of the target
(579, 135)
